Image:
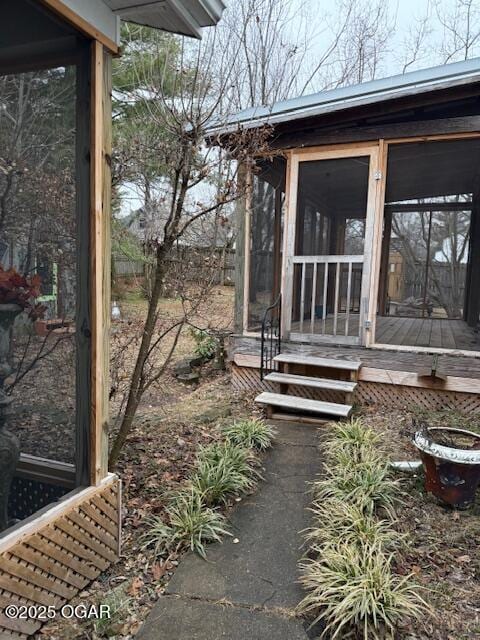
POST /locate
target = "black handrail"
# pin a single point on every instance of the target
(271, 337)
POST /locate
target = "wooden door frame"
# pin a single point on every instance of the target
(375, 196)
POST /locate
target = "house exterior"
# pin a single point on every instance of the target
(359, 246)
(59, 505)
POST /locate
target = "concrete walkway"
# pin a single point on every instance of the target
(248, 590)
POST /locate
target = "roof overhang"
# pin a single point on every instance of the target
(101, 18)
(186, 17)
(341, 99)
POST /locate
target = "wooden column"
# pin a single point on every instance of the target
(383, 281)
(241, 276)
(100, 205)
(277, 249)
(472, 286)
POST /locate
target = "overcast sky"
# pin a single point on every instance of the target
(317, 16)
(403, 16)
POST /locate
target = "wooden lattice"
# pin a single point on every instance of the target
(368, 393)
(399, 396)
(56, 561)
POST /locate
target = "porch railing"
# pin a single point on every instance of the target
(271, 336)
(323, 291)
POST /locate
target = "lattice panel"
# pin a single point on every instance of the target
(28, 496)
(55, 562)
(367, 393)
(403, 397)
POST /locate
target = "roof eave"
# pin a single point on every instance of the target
(364, 99)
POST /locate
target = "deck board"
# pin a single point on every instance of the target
(440, 333)
(449, 364)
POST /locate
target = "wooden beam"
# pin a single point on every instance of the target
(43, 470)
(72, 18)
(289, 242)
(426, 206)
(100, 186)
(247, 245)
(332, 135)
(408, 379)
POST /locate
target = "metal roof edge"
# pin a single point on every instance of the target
(351, 96)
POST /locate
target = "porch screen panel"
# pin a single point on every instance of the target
(266, 220)
(38, 273)
(329, 246)
(429, 293)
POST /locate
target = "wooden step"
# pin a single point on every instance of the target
(303, 404)
(312, 361)
(307, 381)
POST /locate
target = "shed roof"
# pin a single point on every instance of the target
(414, 82)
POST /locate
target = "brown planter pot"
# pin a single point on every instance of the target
(452, 473)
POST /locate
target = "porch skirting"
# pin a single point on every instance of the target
(53, 555)
(389, 394)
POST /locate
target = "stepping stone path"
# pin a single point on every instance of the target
(248, 590)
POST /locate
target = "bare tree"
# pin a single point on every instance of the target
(461, 29)
(181, 114)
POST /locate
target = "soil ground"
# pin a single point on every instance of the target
(443, 551)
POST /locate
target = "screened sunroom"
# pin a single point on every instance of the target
(358, 241)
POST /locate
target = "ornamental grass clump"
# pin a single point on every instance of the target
(368, 485)
(239, 458)
(219, 477)
(251, 434)
(188, 524)
(350, 575)
(336, 520)
(222, 470)
(352, 442)
(354, 590)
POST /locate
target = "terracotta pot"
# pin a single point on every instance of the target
(452, 473)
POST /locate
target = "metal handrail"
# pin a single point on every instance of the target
(271, 336)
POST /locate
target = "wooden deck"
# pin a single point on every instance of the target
(427, 332)
(415, 362)
(403, 331)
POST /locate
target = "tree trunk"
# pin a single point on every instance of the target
(135, 391)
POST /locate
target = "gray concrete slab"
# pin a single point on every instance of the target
(176, 618)
(260, 569)
(295, 433)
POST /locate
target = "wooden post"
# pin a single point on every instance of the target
(100, 202)
(472, 289)
(277, 250)
(373, 242)
(289, 242)
(242, 261)
(383, 277)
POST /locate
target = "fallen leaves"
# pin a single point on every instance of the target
(136, 586)
(442, 550)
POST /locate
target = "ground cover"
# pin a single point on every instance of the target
(439, 549)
